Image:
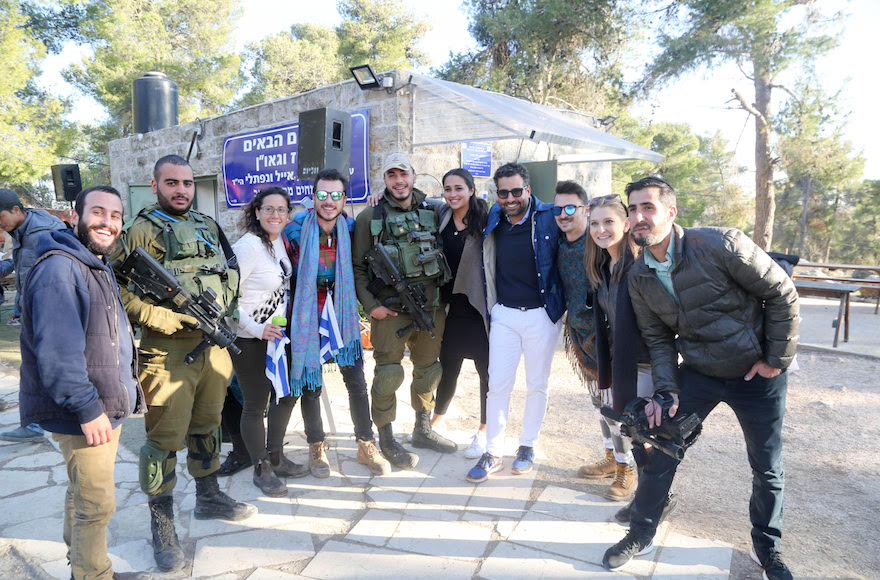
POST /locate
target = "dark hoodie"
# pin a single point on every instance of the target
(72, 365)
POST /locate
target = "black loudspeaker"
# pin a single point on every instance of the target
(324, 142)
(67, 182)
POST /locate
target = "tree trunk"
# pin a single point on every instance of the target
(765, 202)
(807, 187)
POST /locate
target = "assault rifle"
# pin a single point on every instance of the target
(410, 297)
(158, 283)
(672, 436)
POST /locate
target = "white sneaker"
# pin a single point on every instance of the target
(477, 446)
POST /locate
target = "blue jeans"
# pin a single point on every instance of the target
(759, 405)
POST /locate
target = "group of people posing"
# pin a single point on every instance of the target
(640, 292)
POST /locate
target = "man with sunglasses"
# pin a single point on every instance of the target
(718, 301)
(406, 225)
(526, 301)
(320, 241)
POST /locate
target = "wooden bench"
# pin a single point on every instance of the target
(839, 290)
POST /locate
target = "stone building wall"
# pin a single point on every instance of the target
(391, 129)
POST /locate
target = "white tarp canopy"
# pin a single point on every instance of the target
(447, 112)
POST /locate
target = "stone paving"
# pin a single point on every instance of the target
(410, 524)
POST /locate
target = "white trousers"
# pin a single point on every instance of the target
(515, 333)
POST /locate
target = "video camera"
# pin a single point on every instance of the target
(672, 436)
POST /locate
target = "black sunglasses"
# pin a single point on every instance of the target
(515, 192)
(568, 209)
(601, 198)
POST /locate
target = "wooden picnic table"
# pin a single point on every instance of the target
(838, 290)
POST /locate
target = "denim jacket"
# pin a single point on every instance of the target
(545, 241)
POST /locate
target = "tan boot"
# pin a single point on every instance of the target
(624, 485)
(319, 465)
(370, 456)
(601, 469)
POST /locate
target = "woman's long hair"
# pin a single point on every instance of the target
(594, 256)
(249, 221)
(478, 210)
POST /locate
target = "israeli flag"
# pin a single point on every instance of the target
(331, 337)
(276, 365)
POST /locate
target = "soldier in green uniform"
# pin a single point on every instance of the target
(406, 224)
(184, 401)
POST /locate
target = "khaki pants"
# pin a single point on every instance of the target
(388, 348)
(89, 503)
(184, 402)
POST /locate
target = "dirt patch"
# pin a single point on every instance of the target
(831, 456)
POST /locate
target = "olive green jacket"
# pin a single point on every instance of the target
(363, 241)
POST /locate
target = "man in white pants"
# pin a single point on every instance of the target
(525, 300)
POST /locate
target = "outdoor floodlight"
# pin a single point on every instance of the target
(365, 77)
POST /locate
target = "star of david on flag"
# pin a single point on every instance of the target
(328, 329)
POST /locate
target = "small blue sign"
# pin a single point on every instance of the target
(477, 158)
(267, 157)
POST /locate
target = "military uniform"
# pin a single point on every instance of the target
(184, 401)
(410, 236)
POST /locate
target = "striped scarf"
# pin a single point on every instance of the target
(305, 332)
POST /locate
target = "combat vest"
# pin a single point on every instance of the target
(194, 255)
(410, 238)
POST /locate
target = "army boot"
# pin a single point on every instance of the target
(213, 504)
(372, 458)
(425, 437)
(394, 451)
(166, 547)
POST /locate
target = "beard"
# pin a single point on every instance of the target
(169, 209)
(94, 246)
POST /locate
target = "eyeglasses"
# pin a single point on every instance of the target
(321, 195)
(269, 210)
(515, 192)
(568, 209)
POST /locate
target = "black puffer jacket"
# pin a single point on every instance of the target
(737, 306)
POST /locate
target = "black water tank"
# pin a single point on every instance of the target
(153, 102)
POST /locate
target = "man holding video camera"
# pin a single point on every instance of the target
(715, 298)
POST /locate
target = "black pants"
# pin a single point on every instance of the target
(250, 367)
(454, 349)
(358, 405)
(759, 406)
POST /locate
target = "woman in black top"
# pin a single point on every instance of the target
(462, 220)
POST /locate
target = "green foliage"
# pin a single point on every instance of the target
(382, 33)
(33, 132)
(765, 36)
(700, 168)
(292, 62)
(555, 52)
(188, 40)
(55, 23)
(821, 171)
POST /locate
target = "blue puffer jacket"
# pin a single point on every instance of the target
(545, 241)
(71, 370)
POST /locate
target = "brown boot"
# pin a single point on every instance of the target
(267, 481)
(624, 485)
(284, 467)
(601, 469)
(370, 456)
(319, 465)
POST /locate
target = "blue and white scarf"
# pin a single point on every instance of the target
(305, 333)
